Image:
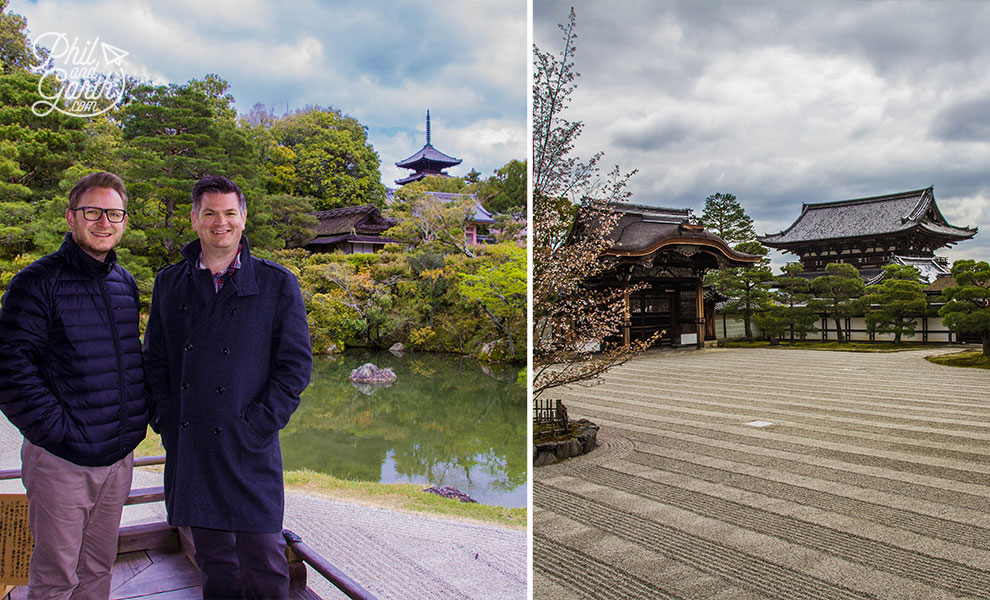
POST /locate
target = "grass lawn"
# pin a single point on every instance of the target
(840, 346)
(968, 358)
(404, 497)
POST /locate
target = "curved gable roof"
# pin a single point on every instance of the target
(643, 230)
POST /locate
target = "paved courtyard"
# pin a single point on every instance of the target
(789, 474)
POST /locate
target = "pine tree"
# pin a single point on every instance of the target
(725, 217)
(747, 287)
(968, 306)
(894, 304)
(837, 292)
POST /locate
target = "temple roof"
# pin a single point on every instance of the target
(862, 217)
(929, 268)
(428, 155)
(364, 219)
(643, 230)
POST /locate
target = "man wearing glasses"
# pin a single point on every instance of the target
(71, 381)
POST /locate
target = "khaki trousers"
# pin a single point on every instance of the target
(74, 515)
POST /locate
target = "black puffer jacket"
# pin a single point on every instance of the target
(71, 377)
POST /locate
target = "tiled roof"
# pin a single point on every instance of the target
(352, 219)
(428, 154)
(863, 217)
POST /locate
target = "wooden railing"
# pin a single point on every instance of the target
(162, 535)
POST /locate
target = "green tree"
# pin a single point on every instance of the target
(33, 150)
(725, 217)
(837, 293)
(968, 306)
(895, 303)
(505, 191)
(16, 52)
(289, 218)
(172, 136)
(794, 292)
(425, 218)
(747, 287)
(329, 159)
(500, 289)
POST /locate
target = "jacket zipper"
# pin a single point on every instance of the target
(117, 353)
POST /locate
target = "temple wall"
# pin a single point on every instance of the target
(732, 328)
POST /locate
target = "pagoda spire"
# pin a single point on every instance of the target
(427, 127)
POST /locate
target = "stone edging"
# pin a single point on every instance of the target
(582, 443)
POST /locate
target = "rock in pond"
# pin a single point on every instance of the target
(369, 373)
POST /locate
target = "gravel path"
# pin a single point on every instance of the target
(772, 473)
(391, 554)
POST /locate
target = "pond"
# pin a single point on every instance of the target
(446, 420)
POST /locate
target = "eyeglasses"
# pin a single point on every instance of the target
(93, 213)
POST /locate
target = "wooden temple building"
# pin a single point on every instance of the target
(428, 161)
(351, 229)
(868, 233)
(668, 253)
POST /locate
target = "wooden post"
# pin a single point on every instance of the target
(700, 314)
(627, 324)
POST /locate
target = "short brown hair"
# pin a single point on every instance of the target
(97, 180)
(216, 184)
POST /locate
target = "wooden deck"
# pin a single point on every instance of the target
(154, 562)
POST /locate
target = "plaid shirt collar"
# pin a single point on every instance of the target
(221, 278)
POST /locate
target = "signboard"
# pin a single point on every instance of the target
(16, 542)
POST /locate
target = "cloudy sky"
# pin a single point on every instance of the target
(782, 103)
(383, 63)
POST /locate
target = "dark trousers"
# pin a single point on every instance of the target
(242, 565)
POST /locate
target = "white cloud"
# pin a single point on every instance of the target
(781, 105)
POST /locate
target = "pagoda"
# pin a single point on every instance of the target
(427, 162)
(868, 233)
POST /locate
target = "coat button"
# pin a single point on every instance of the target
(183, 307)
(185, 386)
(219, 389)
(218, 430)
(233, 311)
(188, 347)
(184, 424)
(225, 351)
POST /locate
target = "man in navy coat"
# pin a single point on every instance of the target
(227, 353)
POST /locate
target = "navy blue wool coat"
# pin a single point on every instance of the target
(225, 371)
(70, 357)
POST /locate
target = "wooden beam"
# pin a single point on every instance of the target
(147, 536)
(145, 495)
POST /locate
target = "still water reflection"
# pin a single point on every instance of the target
(446, 420)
